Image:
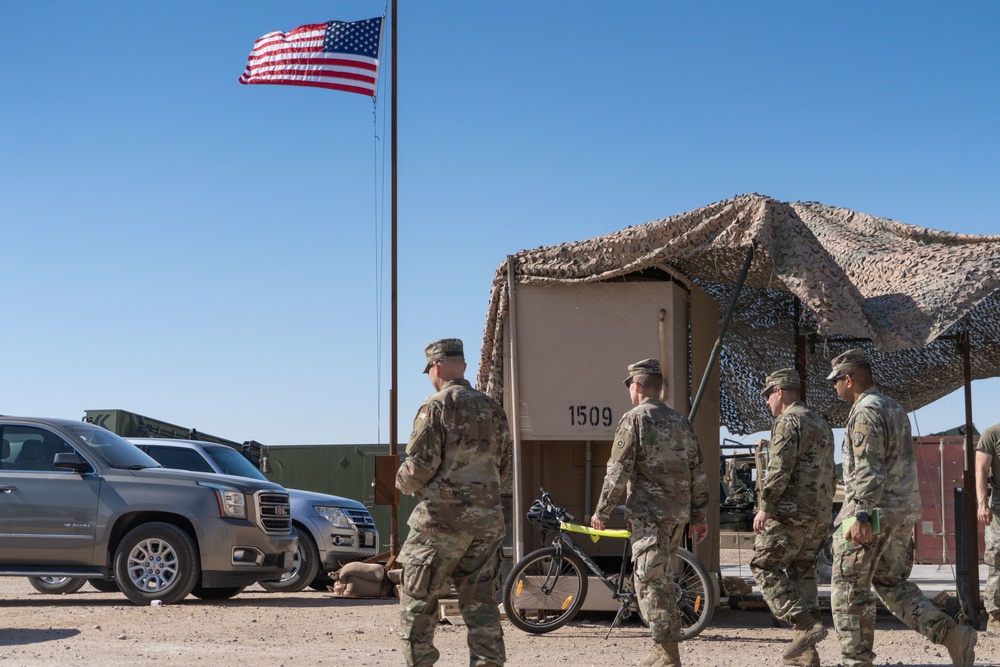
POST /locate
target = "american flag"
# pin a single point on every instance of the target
(336, 55)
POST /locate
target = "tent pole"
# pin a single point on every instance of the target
(971, 519)
(517, 509)
(800, 352)
(717, 349)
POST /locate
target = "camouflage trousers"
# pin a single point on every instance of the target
(885, 562)
(784, 564)
(991, 556)
(653, 548)
(432, 561)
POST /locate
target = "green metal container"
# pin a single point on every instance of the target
(342, 470)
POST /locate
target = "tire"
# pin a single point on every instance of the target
(696, 598)
(157, 561)
(321, 581)
(545, 591)
(306, 567)
(216, 593)
(104, 585)
(57, 585)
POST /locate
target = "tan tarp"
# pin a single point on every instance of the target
(903, 292)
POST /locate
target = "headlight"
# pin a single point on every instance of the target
(334, 515)
(231, 501)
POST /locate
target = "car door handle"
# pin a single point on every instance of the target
(8, 489)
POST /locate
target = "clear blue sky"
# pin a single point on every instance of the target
(207, 253)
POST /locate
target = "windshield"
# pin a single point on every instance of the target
(231, 462)
(114, 450)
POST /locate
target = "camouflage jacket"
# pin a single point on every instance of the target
(880, 468)
(989, 443)
(457, 457)
(655, 457)
(799, 478)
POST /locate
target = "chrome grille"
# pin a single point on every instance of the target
(361, 518)
(274, 513)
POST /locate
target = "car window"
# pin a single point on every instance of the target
(175, 457)
(232, 462)
(31, 448)
(113, 449)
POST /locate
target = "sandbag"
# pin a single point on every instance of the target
(362, 588)
(367, 571)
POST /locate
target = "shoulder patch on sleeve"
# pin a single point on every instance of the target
(859, 444)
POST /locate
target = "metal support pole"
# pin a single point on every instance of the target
(663, 354)
(517, 509)
(962, 580)
(717, 349)
(971, 527)
(800, 352)
(394, 392)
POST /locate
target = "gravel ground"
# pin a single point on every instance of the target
(314, 628)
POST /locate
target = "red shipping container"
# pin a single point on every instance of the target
(941, 468)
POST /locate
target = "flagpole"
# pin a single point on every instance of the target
(393, 392)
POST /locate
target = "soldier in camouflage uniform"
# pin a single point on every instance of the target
(655, 457)
(456, 459)
(880, 473)
(793, 520)
(988, 494)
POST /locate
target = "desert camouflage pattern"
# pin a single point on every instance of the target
(879, 472)
(655, 459)
(855, 276)
(457, 457)
(655, 589)
(784, 564)
(991, 556)
(880, 468)
(800, 469)
(798, 494)
(432, 561)
(885, 563)
(989, 443)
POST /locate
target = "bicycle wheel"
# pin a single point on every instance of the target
(545, 590)
(696, 595)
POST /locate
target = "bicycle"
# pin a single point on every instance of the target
(547, 588)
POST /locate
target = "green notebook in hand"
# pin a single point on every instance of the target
(874, 519)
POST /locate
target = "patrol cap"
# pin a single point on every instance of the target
(786, 377)
(847, 361)
(439, 349)
(644, 367)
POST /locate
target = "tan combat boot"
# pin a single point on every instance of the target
(961, 644)
(808, 633)
(663, 655)
(809, 658)
(993, 625)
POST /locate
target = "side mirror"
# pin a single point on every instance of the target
(70, 461)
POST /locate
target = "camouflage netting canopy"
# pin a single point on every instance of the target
(904, 293)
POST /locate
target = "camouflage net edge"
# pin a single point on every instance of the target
(905, 293)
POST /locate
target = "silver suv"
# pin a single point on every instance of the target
(331, 530)
(79, 501)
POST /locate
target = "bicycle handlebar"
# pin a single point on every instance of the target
(559, 512)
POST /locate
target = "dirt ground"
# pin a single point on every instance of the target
(314, 628)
